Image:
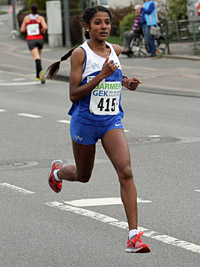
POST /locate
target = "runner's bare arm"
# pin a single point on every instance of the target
(43, 23)
(23, 26)
(77, 60)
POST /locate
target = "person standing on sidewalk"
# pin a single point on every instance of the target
(148, 19)
(35, 26)
(95, 91)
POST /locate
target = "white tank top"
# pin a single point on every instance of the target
(106, 96)
(33, 17)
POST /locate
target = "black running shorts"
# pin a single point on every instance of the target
(35, 43)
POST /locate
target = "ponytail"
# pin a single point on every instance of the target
(54, 68)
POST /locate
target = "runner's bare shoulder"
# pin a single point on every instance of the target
(78, 55)
(117, 49)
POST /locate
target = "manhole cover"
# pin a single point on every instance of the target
(143, 140)
(150, 140)
(13, 165)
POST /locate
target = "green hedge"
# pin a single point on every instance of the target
(126, 23)
(41, 4)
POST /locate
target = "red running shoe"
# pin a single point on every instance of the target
(136, 245)
(55, 186)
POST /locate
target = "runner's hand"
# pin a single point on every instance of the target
(109, 67)
(131, 83)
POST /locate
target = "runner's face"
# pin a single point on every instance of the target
(100, 26)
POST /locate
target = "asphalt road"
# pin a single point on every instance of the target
(85, 224)
(41, 228)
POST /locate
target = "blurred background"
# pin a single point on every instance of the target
(179, 19)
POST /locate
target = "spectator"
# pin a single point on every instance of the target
(135, 32)
(149, 18)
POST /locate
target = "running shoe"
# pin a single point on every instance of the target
(42, 75)
(37, 79)
(136, 245)
(55, 186)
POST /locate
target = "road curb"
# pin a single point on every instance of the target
(62, 78)
(186, 57)
(167, 91)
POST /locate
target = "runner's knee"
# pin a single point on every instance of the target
(125, 174)
(84, 178)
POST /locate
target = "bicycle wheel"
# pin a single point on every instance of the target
(138, 47)
(161, 45)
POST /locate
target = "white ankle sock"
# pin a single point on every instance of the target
(132, 233)
(56, 176)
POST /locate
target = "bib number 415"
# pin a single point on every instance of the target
(107, 105)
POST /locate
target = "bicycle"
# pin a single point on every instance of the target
(139, 46)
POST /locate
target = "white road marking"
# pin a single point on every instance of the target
(100, 202)
(29, 115)
(197, 190)
(2, 110)
(18, 79)
(123, 225)
(16, 84)
(186, 140)
(126, 131)
(16, 188)
(155, 135)
(64, 121)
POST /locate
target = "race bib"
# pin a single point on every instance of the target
(33, 29)
(105, 98)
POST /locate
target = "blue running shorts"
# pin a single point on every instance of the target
(86, 134)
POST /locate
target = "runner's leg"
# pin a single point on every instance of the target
(84, 157)
(35, 53)
(40, 52)
(36, 56)
(120, 157)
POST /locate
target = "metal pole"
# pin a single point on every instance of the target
(84, 4)
(67, 24)
(14, 15)
(194, 38)
(167, 36)
(177, 30)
